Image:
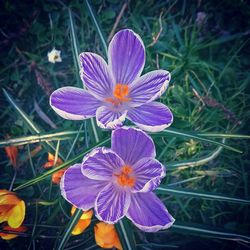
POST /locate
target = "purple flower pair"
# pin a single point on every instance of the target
(118, 182)
(117, 90)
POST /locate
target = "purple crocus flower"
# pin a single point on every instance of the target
(117, 90)
(119, 182)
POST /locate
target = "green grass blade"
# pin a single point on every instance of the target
(67, 233)
(179, 165)
(97, 26)
(74, 142)
(24, 116)
(55, 169)
(220, 40)
(220, 135)
(214, 233)
(73, 39)
(75, 50)
(164, 189)
(41, 137)
(190, 135)
(123, 228)
(74, 43)
(32, 127)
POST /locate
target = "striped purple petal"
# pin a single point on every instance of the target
(148, 87)
(74, 103)
(96, 75)
(126, 56)
(152, 117)
(132, 144)
(148, 212)
(110, 119)
(101, 163)
(79, 190)
(148, 173)
(112, 204)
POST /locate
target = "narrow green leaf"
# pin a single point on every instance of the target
(220, 40)
(195, 86)
(176, 30)
(73, 37)
(154, 246)
(41, 137)
(67, 233)
(31, 125)
(55, 169)
(124, 229)
(179, 165)
(24, 116)
(165, 189)
(97, 26)
(75, 50)
(213, 233)
(180, 133)
(74, 142)
(220, 135)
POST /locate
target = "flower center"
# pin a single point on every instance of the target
(120, 94)
(124, 178)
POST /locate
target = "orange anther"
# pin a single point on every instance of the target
(127, 169)
(120, 94)
(121, 91)
(124, 178)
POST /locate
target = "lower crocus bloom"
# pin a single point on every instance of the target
(119, 182)
(56, 177)
(10, 236)
(12, 209)
(106, 236)
(83, 222)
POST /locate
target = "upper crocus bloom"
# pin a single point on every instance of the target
(12, 209)
(119, 182)
(117, 90)
(54, 56)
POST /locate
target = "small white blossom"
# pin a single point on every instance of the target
(54, 56)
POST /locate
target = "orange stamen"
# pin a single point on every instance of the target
(125, 179)
(121, 91)
(120, 94)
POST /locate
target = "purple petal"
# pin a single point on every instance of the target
(79, 190)
(148, 173)
(101, 163)
(149, 87)
(96, 75)
(152, 117)
(112, 204)
(109, 119)
(126, 56)
(132, 144)
(148, 213)
(74, 103)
